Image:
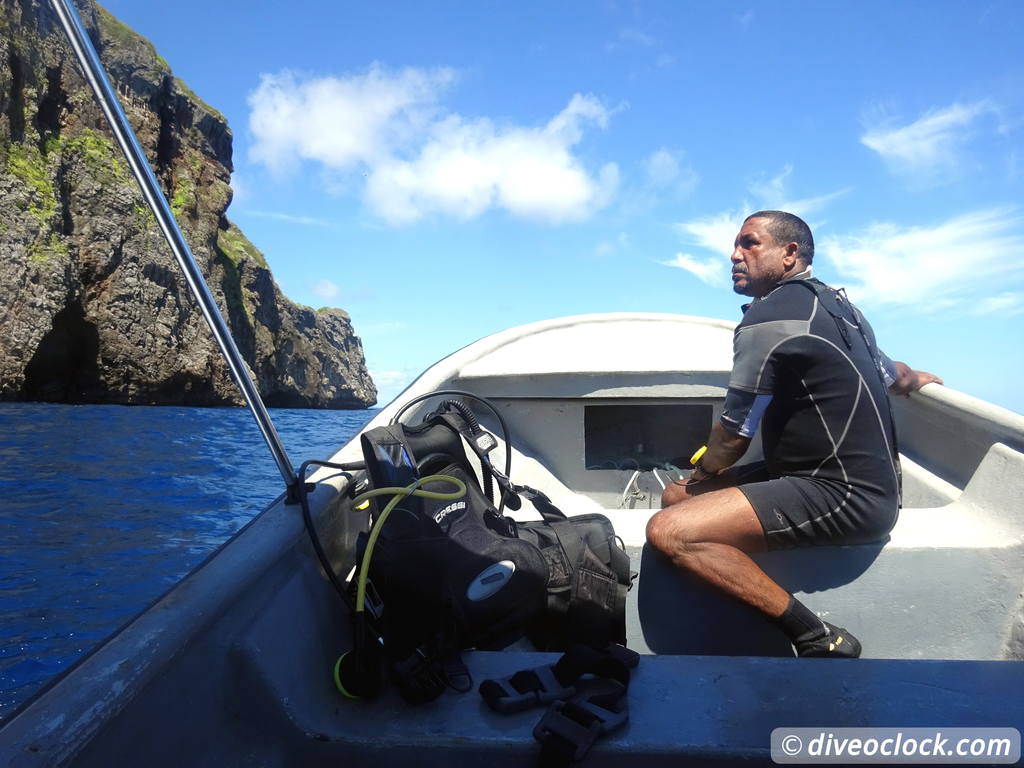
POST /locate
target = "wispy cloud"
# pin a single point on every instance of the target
(745, 19)
(927, 150)
(951, 264)
(773, 193)
(628, 38)
(638, 37)
(632, 40)
(306, 221)
(1012, 166)
(239, 187)
(716, 232)
(607, 248)
(669, 170)
(1008, 304)
(325, 289)
(714, 235)
(411, 158)
(391, 382)
(392, 379)
(708, 269)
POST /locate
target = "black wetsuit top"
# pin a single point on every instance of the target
(817, 386)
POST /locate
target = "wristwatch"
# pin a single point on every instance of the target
(696, 460)
(699, 464)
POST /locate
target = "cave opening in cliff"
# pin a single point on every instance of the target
(65, 368)
(16, 104)
(48, 117)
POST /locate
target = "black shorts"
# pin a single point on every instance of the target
(798, 511)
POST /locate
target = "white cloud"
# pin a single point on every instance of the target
(773, 194)
(710, 269)
(606, 248)
(467, 167)
(390, 383)
(713, 234)
(1009, 303)
(950, 264)
(325, 289)
(717, 232)
(669, 170)
(772, 191)
(418, 160)
(632, 37)
(239, 187)
(929, 148)
(306, 221)
(392, 378)
(340, 122)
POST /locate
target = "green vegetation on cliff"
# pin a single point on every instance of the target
(119, 33)
(45, 250)
(27, 164)
(99, 153)
(236, 247)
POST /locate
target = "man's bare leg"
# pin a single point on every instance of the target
(709, 531)
(709, 535)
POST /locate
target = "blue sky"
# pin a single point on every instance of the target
(445, 170)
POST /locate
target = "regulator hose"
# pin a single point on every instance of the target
(482, 400)
(307, 518)
(397, 494)
(474, 427)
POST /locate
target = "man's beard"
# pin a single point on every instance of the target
(741, 270)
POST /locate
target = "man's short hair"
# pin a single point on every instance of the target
(787, 228)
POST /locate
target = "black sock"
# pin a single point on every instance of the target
(799, 621)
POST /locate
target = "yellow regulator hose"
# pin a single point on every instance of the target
(397, 495)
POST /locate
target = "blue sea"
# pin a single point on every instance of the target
(103, 508)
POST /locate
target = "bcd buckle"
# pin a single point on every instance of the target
(525, 689)
(576, 723)
(568, 730)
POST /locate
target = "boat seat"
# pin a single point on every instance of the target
(943, 573)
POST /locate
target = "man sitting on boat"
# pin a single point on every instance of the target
(806, 369)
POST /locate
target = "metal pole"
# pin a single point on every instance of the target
(97, 77)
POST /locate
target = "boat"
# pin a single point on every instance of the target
(233, 666)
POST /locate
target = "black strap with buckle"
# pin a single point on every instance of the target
(525, 689)
(586, 689)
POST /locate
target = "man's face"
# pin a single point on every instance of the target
(758, 262)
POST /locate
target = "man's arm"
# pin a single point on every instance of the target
(724, 449)
(908, 380)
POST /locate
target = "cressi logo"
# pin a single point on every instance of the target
(442, 514)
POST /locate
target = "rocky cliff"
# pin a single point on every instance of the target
(92, 304)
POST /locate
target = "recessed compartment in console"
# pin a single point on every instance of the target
(644, 436)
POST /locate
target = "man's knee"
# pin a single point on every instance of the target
(667, 531)
(718, 517)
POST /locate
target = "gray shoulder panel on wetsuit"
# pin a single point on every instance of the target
(752, 348)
